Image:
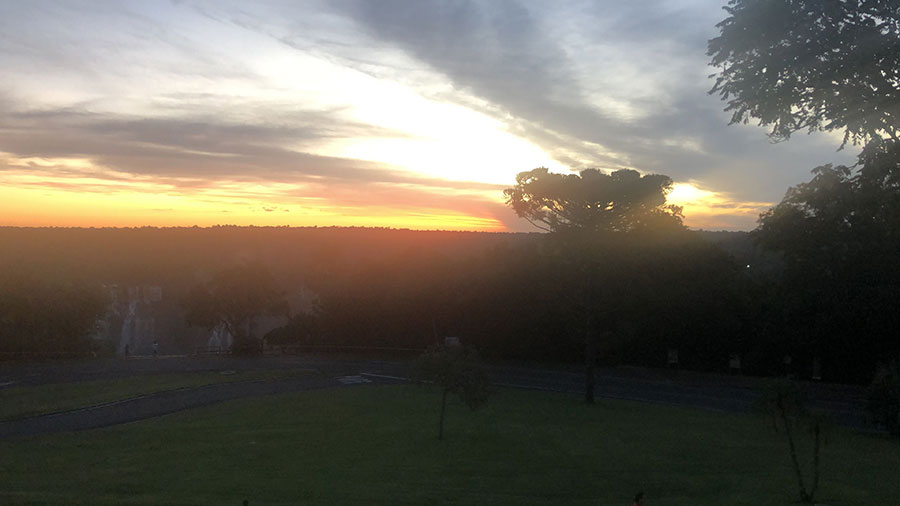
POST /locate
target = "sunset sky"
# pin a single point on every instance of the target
(393, 113)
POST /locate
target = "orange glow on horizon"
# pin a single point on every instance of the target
(50, 207)
(713, 210)
(73, 192)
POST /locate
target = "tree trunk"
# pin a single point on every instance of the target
(817, 433)
(443, 409)
(804, 497)
(590, 360)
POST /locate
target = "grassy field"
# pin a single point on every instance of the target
(377, 446)
(19, 402)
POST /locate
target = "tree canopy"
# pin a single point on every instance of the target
(456, 370)
(233, 298)
(811, 65)
(840, 215)
(826, 65)
(47, 314)
(840, 234)
(583, 210)
(593, 201)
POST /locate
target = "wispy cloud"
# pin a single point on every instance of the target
(347, 107)
(598, 84)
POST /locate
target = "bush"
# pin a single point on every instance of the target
(785, 402)
(883, 399)
(456, 370)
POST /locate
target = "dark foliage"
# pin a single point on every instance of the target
(621, 201)
(456, 370)
(47, 314)
(825, 65)
(233, 298)
(811, 65)
(839, 235)
(608, 233)
(511, 295)
(883, 398)
(302, 329)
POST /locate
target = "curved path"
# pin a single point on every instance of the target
(721, 393)
(161, 403)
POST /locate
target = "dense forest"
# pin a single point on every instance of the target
(708, 295)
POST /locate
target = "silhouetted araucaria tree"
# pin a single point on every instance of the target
(592, 218)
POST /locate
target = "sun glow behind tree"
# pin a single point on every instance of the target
(277, 114)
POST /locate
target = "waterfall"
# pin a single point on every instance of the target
(220, 338)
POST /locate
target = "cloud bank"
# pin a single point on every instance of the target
(349, 110)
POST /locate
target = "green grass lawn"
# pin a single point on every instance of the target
(19, 402)
(377, 446)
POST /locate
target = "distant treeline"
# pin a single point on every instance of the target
(706, 294)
